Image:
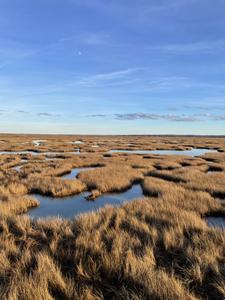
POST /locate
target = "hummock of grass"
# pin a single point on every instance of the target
(111, 179)
(55, 187)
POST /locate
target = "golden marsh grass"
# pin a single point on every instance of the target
(156, 247)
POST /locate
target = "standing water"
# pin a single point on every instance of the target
(68, 207)
(191, 152)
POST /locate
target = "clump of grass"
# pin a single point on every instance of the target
(167, 165)
(12, 188)
(178, 196)
(7, 162)
(46, 169)
(13, 198)
(55, 187)
(110, 179)
(94, 194)
(17, 205)
(167, 176)
(211, 183)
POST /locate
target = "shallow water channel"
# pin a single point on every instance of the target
(38, 153)
(75, 172)
(191, 152)
(68, 207)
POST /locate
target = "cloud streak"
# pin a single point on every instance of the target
(157, 117)
(148, 116)
(46, 114)
(207, 47)
(118, 76)
(24, 113)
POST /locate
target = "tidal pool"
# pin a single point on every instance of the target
(17, 168)
(20, 152)
(191, 152)
(68, 207)
(38, 153)
(77, 142)
(37, 143)
(76, 171)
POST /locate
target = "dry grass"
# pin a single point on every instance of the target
(147, 249)
(63, 143)
(17, 205)
(196, 178)
(13, 198)
(180, 197)
(158, 247)
(56, 187)
(114, 178)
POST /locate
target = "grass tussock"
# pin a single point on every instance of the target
(17, 205)
(55, 187)
(110, 179)
(7, 162)
(178, 196)
(12, 188)
(13, 197)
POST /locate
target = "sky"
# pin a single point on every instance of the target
(112, 67)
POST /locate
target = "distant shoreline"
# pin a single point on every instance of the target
(112, 135)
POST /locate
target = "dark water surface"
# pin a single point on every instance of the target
(75, 172)
(216, 222)
(68, 207)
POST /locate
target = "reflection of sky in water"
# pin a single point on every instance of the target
(38, 153)
(216, 222)
(75, 172)
(38, 142)
(192, 152)
(68, 207)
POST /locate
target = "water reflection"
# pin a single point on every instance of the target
(75, 172)
(69, 207)
(216, 222)
(191, 152)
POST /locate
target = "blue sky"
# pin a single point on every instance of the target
(112, 67)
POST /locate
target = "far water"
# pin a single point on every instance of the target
(191, 152)
(75, 172)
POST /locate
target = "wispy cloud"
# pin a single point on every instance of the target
(165, 5)
(46, 114)
(205, 107)
(157, 117)
(170, 81)
(22, 112)
(200, 47)
(146, 7)
(11, 51)
(31, 113)
(95, 39)
(105, 78)
(96, 116)
(149, 116)
(90, 38)
(219, 118)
